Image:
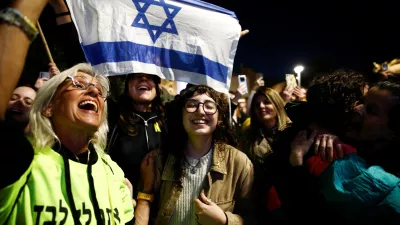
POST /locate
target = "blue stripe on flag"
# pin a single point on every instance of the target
(122, 51)
(209, 6)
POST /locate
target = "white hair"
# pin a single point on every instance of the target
(41, 127)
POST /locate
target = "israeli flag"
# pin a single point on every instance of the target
(184, 40)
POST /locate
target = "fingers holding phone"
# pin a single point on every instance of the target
(243, 84)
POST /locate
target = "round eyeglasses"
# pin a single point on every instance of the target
(209, 107)
(83, 83)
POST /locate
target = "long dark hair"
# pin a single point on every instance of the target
(177, 137)
(127, 118)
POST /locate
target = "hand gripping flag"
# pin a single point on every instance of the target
(184, 40)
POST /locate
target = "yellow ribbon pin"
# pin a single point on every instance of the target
(157, 127)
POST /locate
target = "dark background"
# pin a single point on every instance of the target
(321, 35)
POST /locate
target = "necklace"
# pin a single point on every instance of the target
(191, 167)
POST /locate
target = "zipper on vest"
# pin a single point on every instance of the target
(145, 128)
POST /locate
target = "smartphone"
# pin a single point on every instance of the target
(243, 80)
(385, 66)
(44, 75)
(291, 81)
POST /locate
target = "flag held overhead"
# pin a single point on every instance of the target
(185, 40)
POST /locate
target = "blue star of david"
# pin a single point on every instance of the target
(141, 20)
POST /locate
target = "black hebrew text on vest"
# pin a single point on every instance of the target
(59, 214)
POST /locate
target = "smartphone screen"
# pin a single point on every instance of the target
(291, 81)
(44, 75)
(385, 66)
(242, 80)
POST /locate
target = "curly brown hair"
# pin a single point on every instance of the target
(177, 136)
(332, 97)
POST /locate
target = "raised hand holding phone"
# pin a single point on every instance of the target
(243, 83)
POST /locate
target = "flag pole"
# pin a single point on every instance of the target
(230, 108)
(45, 43)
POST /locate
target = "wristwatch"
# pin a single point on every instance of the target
(14, 17)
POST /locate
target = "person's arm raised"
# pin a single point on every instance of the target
(13, 49)
(17, 152)
(61, 10)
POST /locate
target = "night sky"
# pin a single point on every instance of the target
(323, 35)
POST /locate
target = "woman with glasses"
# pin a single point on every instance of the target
(61, 175)
(199, 178)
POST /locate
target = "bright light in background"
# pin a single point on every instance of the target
(298, 69)
(180, 85)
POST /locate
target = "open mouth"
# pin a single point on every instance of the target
(199, 121)
(143, 88)
(88, 105)
(16, 112)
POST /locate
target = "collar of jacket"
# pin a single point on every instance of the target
(218, 164)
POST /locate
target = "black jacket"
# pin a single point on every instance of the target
(128, 151)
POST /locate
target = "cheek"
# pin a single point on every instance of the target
(60, 109)
(10, 104)
(214, 122)
(131, 92)
(153, 93)
(101, 106)
(26, 108)
(185, 121)
(64, 105)
(131, 87)
(132, 83)
(272, 109)
(258, 113)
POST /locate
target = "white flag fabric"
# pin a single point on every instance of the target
(184, 40)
